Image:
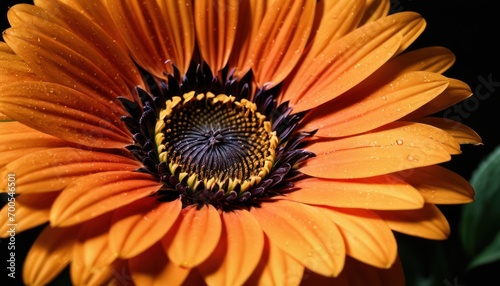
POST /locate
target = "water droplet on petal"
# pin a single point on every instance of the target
(399, 142)
(411, 158)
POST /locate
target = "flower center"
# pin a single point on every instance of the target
(215, 140)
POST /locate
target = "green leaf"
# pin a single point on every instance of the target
(480, 227)
(490, 254)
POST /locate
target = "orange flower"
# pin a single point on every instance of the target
(225, 141)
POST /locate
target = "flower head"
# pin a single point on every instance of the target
(223, 141)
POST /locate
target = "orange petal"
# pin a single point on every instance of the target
(32, 210)
(216, 22)
(430, 59)
(304, 233)
(427, 222)
(455, 92)
(6, 53)
(152, 267)
(64, 113)
(103, 32)
(93, 242)
(414, 26)
(276, 268)
(396, 147)
(81, 275)
(281, 40)
(374, 10)
(347, 62)
(12, 67)
(15, 71)
(397, 88)
(17, 140)
(53, 169)
(250, 15)
(96, 11)
(439, 185)
(138, 226)
(99, 193)
(462, 133)
(158, 33)
(332, 20)
(239, 250)
(383, 193)
(50, 254)
(367, 237)
(194, 236)
(364, 109)
(70, 51)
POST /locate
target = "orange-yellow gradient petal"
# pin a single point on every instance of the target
(216, 22)
(95, 11)
(32, 210)
(103, 275)
(194, 236)
(276, 267)
(65, 113)
(454, 93)
(430, 59)
(303, 233)
(69, 51)
(281, 39)
(366, 107)
(462, 133)
(238, 252)
(12, 67)
(397, 146)
(17, 140)
(91, 252)
(332, 20)
(141, 224)
(251, 13)
(367, 237)
(439, 185)
(427, 222)
(158, 33)
(50, 254)
(53, 169)
(382, 192)
(374, 10)
(99, 193)
(347, 62)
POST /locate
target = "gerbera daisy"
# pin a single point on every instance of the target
(225, 142)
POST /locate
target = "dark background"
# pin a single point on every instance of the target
(471, 30)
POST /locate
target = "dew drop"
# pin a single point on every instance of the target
(399, 142)
(411, 158)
